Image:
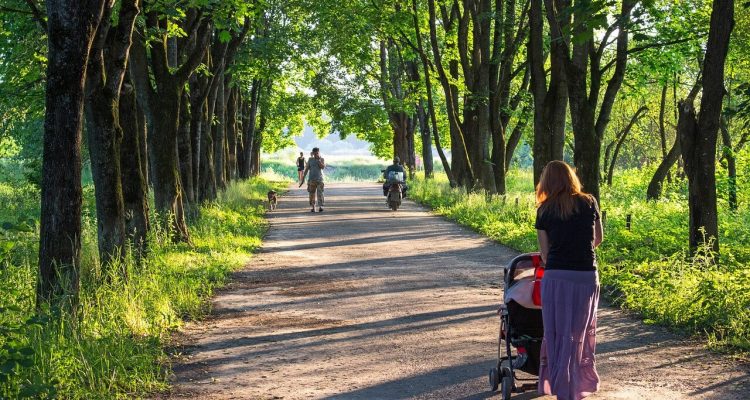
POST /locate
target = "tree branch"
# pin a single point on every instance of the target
(37, 13)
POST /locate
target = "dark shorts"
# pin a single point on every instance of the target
(300, 169)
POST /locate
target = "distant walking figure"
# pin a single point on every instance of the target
(568, 229)
(315, 166)
(300, 166)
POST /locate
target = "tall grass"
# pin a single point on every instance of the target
(115, 346)
(645, 268)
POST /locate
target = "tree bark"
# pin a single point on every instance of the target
(461, 168)
(248, 135)
(583, 93)
(134, 184)
(232, 135)
(728, 154)
(698, 137)
(550, 101)
(198, 99)
(72, 26)
(207, 177)
(662, 171)
(219, 134)
(424, 133)
(185, 148)
(430, 101)
(165, 99)
(106, 72)
(662, 126)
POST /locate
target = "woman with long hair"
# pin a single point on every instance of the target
(569, 228)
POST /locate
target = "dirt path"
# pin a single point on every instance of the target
(362, 303)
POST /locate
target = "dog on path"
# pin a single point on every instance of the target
(272, 200)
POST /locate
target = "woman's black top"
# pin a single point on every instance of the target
(571, 241)
(300, 163)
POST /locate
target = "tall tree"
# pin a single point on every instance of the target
(72, 27)
(698, 134)
(550, 100)
(106, 72)
(584, 71)
(163, 94)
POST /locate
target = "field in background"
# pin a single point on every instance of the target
(645, 267)
(337, 169)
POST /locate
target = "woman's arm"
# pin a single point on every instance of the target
(598, 233)
(541, 237)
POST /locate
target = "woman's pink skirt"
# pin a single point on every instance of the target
(569, 303)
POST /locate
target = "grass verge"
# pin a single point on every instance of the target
(114, 347)
(645, 268)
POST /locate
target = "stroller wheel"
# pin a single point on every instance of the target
(494, 379)
(506, 386)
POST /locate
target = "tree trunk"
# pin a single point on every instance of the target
(662, 127)
(142, 140)
(461, 168)
(105, 74)
(164, 96)
(698, 137)
(198, 99)
(207, 177)
(219, 135)
(134, 185)
(729, 155)
(430, 102)
(662, 171)
(168, 193)
(243, 107)
(513, 140)
(424, 133)
(248, 135)
(257, 146)
(232, 135)
(584, 78)
(72, 25)
(550, 102)
(185, 149)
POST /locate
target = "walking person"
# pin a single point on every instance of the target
(315, 166)
(300, 165)
(569, 228)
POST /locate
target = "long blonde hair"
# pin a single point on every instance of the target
(558, 191)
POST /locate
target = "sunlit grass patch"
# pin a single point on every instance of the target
(645, 267)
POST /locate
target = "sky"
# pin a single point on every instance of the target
(331, 147)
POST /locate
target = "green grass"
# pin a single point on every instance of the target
(645, 268)
(115, 347)
(348, 171)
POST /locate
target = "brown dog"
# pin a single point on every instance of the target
(272, 200)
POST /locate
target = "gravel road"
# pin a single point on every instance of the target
(359, 302)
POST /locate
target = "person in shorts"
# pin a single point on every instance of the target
(315, 166)
(300, 165)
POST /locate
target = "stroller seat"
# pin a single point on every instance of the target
(521, 325)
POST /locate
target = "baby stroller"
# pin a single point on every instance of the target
(520, 325)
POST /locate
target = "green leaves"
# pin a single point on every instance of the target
(225, 36)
